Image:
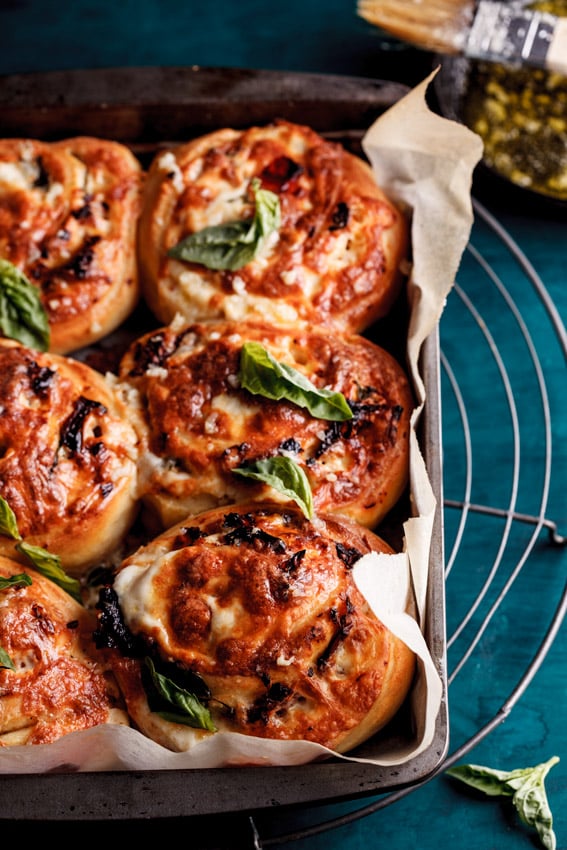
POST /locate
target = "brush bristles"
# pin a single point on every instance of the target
(439, 25)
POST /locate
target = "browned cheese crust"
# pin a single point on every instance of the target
(68, 221)
(199, 424)
(60, 682)
(68, 466)
(337, 256)
(261, 603)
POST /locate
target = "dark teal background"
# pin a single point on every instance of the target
(328, 37)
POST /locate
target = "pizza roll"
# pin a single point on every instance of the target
(283, 226)
(53, 680)
(250, 617)
(68, 221)
(68, 465)
(204, 429)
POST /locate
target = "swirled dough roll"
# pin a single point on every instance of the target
(68, 457)
(59, 681)
(335, 259)
(199, 425)
(68, 220)
(253, 610)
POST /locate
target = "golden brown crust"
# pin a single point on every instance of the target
(68, 466)
(262, 605)
(68, 220)
(340, 246)
(60, 683)
(199, 425)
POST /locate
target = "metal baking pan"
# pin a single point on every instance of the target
(146, 108)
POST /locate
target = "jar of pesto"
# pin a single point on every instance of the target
(521, 116)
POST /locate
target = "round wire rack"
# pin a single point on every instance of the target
(498, 493)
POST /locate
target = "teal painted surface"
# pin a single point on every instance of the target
(308, 35)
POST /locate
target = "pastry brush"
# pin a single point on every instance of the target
(510, 33)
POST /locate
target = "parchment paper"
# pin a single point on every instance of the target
(425, 163)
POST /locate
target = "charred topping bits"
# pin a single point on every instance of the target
(112, 632)
(344, 623)
(348, 555)
(80, 264)
(187, 537)
(275, 696)
(281, 175)
(40, 378)
(152, 352)
(71, 435)
(339, 217)
(244, 531)
(42, 179)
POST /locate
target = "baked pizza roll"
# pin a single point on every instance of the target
(274, 223)
(68, 221)
(220, 403)
(53, 679)
(248, 619)
(68, 466)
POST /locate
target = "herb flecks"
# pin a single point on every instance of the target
(526, 787)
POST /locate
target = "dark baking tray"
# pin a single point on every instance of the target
(147, 108)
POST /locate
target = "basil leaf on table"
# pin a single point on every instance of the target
(234, 244)
(22, 315)
(526, 786)
(261, 374)
(284, 475)
(188, 709)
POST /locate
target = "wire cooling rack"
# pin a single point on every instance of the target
(500, 483)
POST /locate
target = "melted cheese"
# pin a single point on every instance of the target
(135, 589)
(17, 175)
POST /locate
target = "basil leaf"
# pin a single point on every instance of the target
(284, 475)
(236, 243)
(190, 711)
(531, 801)
(526, 786)
(15, 581)
(5, 660)
(485, 779)
(45, 563)
(8, 521)
(22, 315)
(50, 566)
(261, 374)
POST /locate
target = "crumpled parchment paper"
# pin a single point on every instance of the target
(425, 164)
